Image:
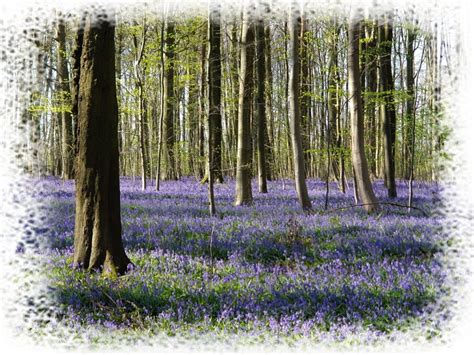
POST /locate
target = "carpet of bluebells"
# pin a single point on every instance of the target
(268, 268)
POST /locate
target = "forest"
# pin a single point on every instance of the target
(260, 174)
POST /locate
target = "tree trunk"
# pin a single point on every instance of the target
(359, 161)
(410, 133)
(214, 75)
(66, 126)
(261, 124)
(389, 122)
(162, 105)
(139, 85)
(294, 110)
(169, 101)
(244, 146)
(98, 230)
(370, 102)
(305, 98)
(270, 139)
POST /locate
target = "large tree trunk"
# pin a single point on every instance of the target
(261, 124)
(244, 147)
(389, 122)
(169, 101)
(98, 229)
(294, 110)
(359, 161)
(214, 74)
(66, 126)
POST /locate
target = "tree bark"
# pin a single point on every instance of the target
(294, 109)
(169, 172)
(410, 133)
(98, 230)
(389, 122)
(261, 124)
(244, 146)
(370, 102)
(359, 161)
(270, 140)
(214, 75)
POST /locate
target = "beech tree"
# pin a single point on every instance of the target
(359, 161)
(243, 195)
(98, 230)
(388, 113)
(294, 108)
(261, 119)
(169, 102)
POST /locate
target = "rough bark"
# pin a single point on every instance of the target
(359, 160)
(294, 110)
(244, 146)
(98, 230)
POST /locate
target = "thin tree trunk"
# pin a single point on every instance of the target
(244, 146)
(294, 109)
(214, 74)
(261, 124)
(66, 126)
(410, 57)
(270, 140)
(169, 102)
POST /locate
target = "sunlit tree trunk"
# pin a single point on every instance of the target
(359, 161)
(98, 230)
(244, 146)
(294, 109)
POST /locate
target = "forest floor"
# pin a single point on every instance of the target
(252, 275)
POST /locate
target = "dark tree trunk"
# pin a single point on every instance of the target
(98, 229)
(76, 73)
(261, 124)
(362, 182)
(244, 146)
(169, 101)
(270, 140)
(294, 110)
(389, 122)
(66, 118)
(214, 74)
